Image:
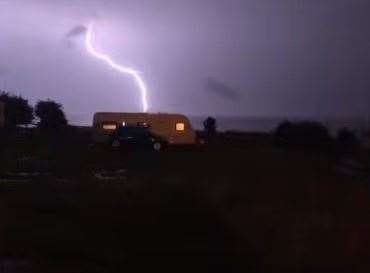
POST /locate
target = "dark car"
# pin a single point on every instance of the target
(136, 136)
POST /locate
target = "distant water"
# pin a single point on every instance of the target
(258, 124)
(239, 123)
(253, 124)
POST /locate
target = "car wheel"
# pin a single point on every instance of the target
(157, 146)
(116, 143)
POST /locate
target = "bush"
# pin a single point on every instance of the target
(347, 141)
(305, 134)
(210, 127)
(51, 115)
(17, 110)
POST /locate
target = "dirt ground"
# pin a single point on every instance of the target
(235, 205)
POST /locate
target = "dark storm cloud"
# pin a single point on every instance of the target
(221, 89)
(76, 31)
(294, 58)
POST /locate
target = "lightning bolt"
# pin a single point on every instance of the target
(124, 70)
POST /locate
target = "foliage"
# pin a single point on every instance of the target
(210, 126)
(347, 140)
(17, 110)
(51, 115)
(305, 134)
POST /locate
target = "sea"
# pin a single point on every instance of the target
(269, 124)
(360, 126)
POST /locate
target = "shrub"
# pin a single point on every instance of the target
(347, 140)
(210, 127)
(305, 134)
(17, 110)
(51, 115)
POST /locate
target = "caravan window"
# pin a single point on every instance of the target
(109, 126)
(180, 126)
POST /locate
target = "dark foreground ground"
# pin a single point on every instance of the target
(237, 205)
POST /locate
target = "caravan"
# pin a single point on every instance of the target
(175, 129)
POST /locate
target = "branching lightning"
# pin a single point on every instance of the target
(124, 70)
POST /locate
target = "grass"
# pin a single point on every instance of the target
(233, 206)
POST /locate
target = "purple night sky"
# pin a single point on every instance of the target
(308, 58)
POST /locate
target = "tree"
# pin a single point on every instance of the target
(51, 115)
(304, 134)
(17, 110)
(210, 126)
(347, 140)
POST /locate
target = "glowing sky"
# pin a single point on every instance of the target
(89, 43)
(199, 57)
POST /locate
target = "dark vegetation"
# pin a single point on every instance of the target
(242, 203)
(238, 205)
(17, 111)
(306, 135)
(347, 141)
(210, 127)
(313, 137)
(50, 114)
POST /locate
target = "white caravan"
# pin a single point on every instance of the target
(174, 128)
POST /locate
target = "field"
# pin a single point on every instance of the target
(238, 204)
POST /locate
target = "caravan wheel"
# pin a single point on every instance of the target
(157, 146)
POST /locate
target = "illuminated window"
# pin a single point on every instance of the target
(142, 124)
(180, 126)
(109, 126)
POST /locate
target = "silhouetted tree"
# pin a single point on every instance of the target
(347, 140)
(305, 134)
(51, 115)
(210, 126)
(17, 110)
(282, 132)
